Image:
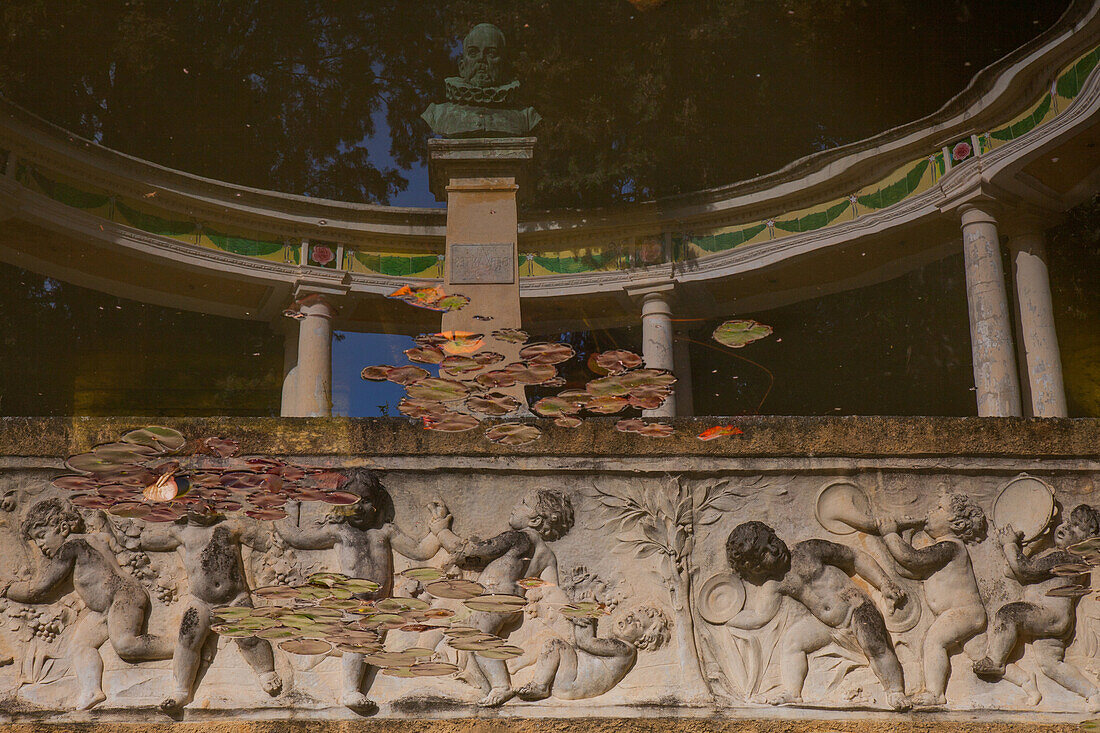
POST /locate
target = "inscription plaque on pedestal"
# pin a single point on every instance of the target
(482, 264)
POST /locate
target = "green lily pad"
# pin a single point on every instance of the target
(496, 603)
(458, 588)
(437, 390)
(424, 574)
(738, 333)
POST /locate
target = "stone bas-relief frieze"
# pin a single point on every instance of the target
(450, 591)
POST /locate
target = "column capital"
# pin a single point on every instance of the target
(312, 304)
(661, 288)
(981, 211)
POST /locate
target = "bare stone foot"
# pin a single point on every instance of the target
(1094, 703)
(985, 667)
(898, 701)
(89, 700)
(473, 680)
(271, 683)
(532, 691)
(496, 697)
(928, 700)
(359, 702)
(779, 698)
(173, 703)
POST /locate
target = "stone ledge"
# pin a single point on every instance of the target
(597, 437)
(578, 725)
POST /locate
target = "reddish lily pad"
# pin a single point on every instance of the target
(377, 373)
(606, 405)
(406, 375)
(496, 379)
(425, 354)
(616, 361)
(513, 434)
(568, 421)
(547, 353)
(458, 364)
(455, 588)
(421, 409)
(305, 646)
(486, 358)
(156, 436)
(494, 404)
(222, 448)
(452, 422)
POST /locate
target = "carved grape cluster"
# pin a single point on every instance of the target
(140, 566)
(41, 623)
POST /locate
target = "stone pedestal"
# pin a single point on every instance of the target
(1041, 363)
(995, 381)
(479, 179)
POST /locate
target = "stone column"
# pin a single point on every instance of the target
(681, 358)
(1039, 356)
(995, 380)
(657, 349)
(289, 402)
(313, 375)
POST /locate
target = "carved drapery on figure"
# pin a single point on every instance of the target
(890, 589)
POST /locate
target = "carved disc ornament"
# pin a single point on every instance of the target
(1026, 503)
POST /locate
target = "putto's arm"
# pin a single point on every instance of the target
(317, 538)
(31, 591)
(585, 637)
(425, 549)
(926, 559)
(767, 607)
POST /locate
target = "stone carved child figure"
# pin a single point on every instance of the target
(365, 539)
(118, 603)
(591, 666)
(949, 584)
(1047, 622)
(542, 516)
(816, 574)
(210, 548)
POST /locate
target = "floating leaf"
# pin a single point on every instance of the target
(556, 406)
(496, 603)
(510, 335)
(738, 333)
(485, 358)
(459, 364)
(651, 429)
(222, 448)
(406, 375)
(1069, 591)
(76, 483)
(424, 574)
(155, 436)
(430, 297)
(421, 409)
(513, 434)
(376, 373)
(433, 669)
(305, 646)
(531, 373)
(568, 421)
(584, 609)
(547, 353)
(616, 361)
(607, 405)
(455, 588)
(494, 404)
(1070, 570)
(437, 390)
(496, 379)
(425, 354)
(505, 651)
(532, 583)
(718, 431)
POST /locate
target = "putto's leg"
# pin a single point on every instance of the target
(194, 628)
(125, 622)
(874, 639)
(546, 668)
(352, 669)
(88, 636)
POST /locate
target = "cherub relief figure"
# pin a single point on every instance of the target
(816, 574)
(950, 587)
(119, 605)
(364, 537)
(591, 666)
(542, 516)
(1047, 622)
(209, 546)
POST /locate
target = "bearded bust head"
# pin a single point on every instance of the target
(482, 56)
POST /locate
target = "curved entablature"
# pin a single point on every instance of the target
(205, 234)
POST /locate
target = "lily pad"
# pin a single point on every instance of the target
(494, 404)
(421, 409)
(433, 669)
(513, 434)
(425, 354)
(505, 651)
(616, 361)
(156, 436)
(437, 390)
(496, 603)
(455, 588)
(406, 375)
(607, 405)
(1069, 591)
(424, 574)
(496, 379)
(584, 609)
(531, 373)
(547, 353)
(486, 358)
(530, 583)
(458, 364)
(738, 333)
(568, 421)
(305, 646)
(510, 335)
(556, 406)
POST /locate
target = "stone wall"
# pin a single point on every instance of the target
(631, 607)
